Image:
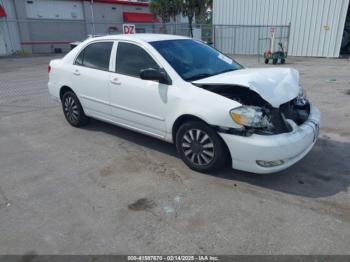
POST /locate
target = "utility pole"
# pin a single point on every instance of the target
(92, 18)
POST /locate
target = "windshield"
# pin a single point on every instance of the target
(194, 60)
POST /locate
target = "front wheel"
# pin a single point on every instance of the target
(200, 147)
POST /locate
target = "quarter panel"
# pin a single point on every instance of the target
(59, 77)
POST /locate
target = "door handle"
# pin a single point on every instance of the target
(115, 81)
(76, 72)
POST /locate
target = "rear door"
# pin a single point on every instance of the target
(90, 78)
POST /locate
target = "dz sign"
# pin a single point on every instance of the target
(129, 29)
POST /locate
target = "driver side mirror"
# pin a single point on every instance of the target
(155, 75)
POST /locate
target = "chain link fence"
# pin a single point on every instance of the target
(55, 36)
(249, 39)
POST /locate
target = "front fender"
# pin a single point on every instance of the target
(212, 108)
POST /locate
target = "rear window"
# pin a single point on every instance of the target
(96, 55)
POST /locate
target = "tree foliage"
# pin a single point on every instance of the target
(175, 8)
(167, 9)
(160, 8)
(192, 8)
(205, 16)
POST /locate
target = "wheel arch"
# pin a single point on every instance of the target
(65, 89)
(183, 119)
(188, 117)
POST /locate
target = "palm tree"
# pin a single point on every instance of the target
(175, 8)
(205, 16)
(160, 8)
(167, 9)
(192, 8)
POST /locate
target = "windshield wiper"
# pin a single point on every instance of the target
(228, 70)
(197, 77)
(201, 76)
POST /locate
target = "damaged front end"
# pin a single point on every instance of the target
(256, 115)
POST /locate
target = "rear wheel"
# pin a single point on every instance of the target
(200, 147)
(73, 110)
(283, 61)
(274, 61)
(266, 61)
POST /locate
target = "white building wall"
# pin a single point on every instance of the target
(9, 34)
(316, 25)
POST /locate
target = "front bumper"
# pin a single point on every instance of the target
(288, 147)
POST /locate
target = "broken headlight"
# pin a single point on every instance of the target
(250, 116)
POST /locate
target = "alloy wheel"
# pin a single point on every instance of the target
(198, 147)
(71, 109)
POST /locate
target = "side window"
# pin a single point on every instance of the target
(79, 60)
(96, 56)
(131, 59)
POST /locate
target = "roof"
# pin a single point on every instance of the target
(143, 37)
(139, 17)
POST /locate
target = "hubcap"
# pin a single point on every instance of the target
(71, 109)
(198, 147)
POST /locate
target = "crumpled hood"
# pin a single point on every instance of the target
(275, 85)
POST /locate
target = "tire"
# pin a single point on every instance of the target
(274, 61)
(73, 110)
(283, 61)
(266, 61)
(200, 147)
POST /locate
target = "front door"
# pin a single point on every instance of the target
(138, 103)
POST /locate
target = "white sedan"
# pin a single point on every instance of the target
(185, 92)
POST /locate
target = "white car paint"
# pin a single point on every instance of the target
(152, 108)
(289, 147)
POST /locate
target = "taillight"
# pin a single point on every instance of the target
(49, 69)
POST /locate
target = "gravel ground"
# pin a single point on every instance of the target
(106, 190)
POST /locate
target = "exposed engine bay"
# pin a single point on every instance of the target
(297, 110)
